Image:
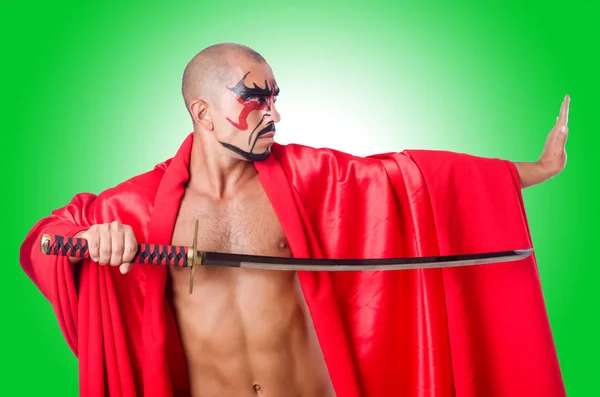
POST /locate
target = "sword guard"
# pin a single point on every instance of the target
(194, 259)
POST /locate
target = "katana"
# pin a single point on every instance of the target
(185, 256)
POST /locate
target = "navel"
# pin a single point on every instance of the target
(256, 387)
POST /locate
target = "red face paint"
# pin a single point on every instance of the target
(248, 107)
(252, 98)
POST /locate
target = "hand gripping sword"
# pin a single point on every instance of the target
(185, 256)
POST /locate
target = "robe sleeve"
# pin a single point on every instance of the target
(53, 275)
(465, 331)
(498, 325)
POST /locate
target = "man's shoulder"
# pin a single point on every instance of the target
(302, 157)
(294, 152)
(301, 152)
(307, 167)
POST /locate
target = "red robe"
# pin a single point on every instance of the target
(472, 331)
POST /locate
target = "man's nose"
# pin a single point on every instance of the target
(274, 117)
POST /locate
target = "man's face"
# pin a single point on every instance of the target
(246, 119)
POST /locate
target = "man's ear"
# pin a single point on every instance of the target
(200, 114)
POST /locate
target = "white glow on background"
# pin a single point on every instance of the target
(329, 115)
(375, 104)
(333, 122)
(326, 111)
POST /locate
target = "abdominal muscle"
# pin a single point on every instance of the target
(248, 333)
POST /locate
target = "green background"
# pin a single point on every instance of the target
(91, 96)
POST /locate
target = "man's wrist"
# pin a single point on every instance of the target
(532, 173)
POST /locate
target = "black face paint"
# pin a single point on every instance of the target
(245, 95)
(258, 125)
(247, 155)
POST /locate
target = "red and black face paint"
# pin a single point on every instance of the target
(251, 99)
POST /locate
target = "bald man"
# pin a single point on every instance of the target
(244, 331)
(138, 331)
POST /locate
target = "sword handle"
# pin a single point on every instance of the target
(152, 254)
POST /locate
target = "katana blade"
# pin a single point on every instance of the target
(182, 256)
(329, 265)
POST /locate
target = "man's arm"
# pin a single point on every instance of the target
(75, 217)
(554, 156)
(53, 274)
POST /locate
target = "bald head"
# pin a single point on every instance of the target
(210, 71)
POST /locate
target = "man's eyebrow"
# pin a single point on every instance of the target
(245, 92)
(261, 92)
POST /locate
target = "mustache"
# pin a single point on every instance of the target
(268, 128)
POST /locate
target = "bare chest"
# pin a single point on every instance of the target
(243, 330)
(242, 225)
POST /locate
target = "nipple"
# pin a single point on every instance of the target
(283, 243)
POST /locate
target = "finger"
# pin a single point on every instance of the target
(125, 267)
(117, 245)
(131, 245)
(93, 239)
(105, 244)
(568, 99)
(564, 113)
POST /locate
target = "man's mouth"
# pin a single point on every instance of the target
(267, 132)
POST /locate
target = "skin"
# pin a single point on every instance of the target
(244, 331)
(247, 332)
(554, 155)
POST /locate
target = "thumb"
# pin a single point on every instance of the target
(125, 267)
(562, 137)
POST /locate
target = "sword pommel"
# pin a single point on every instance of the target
(45, 244)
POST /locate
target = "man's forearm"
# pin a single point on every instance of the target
(530, 173)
